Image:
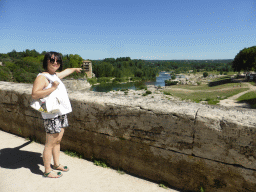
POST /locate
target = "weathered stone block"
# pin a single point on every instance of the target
(224, 141)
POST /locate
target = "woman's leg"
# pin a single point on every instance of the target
(51, 140)
(56, 149)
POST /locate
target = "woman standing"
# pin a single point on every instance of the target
(46, 83)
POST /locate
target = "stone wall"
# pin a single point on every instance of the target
(186, 145)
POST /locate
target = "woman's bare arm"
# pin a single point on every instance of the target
(67, 72)
(39, 85)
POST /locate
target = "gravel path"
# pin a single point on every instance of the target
(232, 101)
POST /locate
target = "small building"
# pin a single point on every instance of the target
(1, 63)
(253, 76)
(250, 75)
(87, 66)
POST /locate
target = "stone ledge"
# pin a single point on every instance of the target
(143, 135)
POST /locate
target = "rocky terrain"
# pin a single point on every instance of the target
(157, 94)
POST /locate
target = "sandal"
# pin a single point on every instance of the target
(65, 168)
(47, 174)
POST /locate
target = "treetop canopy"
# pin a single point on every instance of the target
(245, 60)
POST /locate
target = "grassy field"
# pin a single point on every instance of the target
(252, 83)
(205, 87)
(249, 98)
(211, 73)
(205, 93)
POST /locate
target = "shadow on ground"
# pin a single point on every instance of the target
(220, 82)
(226, 80)
(251, 102)
(14, 158)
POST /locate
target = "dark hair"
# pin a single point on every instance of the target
(47, 57)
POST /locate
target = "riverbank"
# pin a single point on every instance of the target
(191, 88)
(196, 79)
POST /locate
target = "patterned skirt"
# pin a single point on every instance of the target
(54, 125)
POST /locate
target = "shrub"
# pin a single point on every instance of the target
(5, 74)
(163, 186)
(11, 65)
(142, 87)
(121, 171)
(29, 66)
(21, 76)
(205, 74)
(169, 83)
(100, 163)
(104, 79)
(92, 81)
(146, 93)
(167, 93)
(28, 77)
(135, 79)
(117, 80)
(73, 154)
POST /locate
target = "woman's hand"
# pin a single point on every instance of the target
(78, 70)
(40, 83)
(55, 84)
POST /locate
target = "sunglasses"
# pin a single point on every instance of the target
(53, 60)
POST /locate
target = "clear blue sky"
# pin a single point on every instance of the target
(140, 29)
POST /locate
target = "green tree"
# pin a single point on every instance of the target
(117, 73)
(37, 59)
(29, 66)
(105, 69)
(205, 74)
(11, 66)
(3, 55)
(173, 76)
(13, 53)
(30, 53)
(123, 59)
(138, 73)
(110, 60)
(75, 61)
(20, 75)
(65, 63)
(245, 59)
(43, 52)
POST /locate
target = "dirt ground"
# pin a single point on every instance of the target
(229, 102)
